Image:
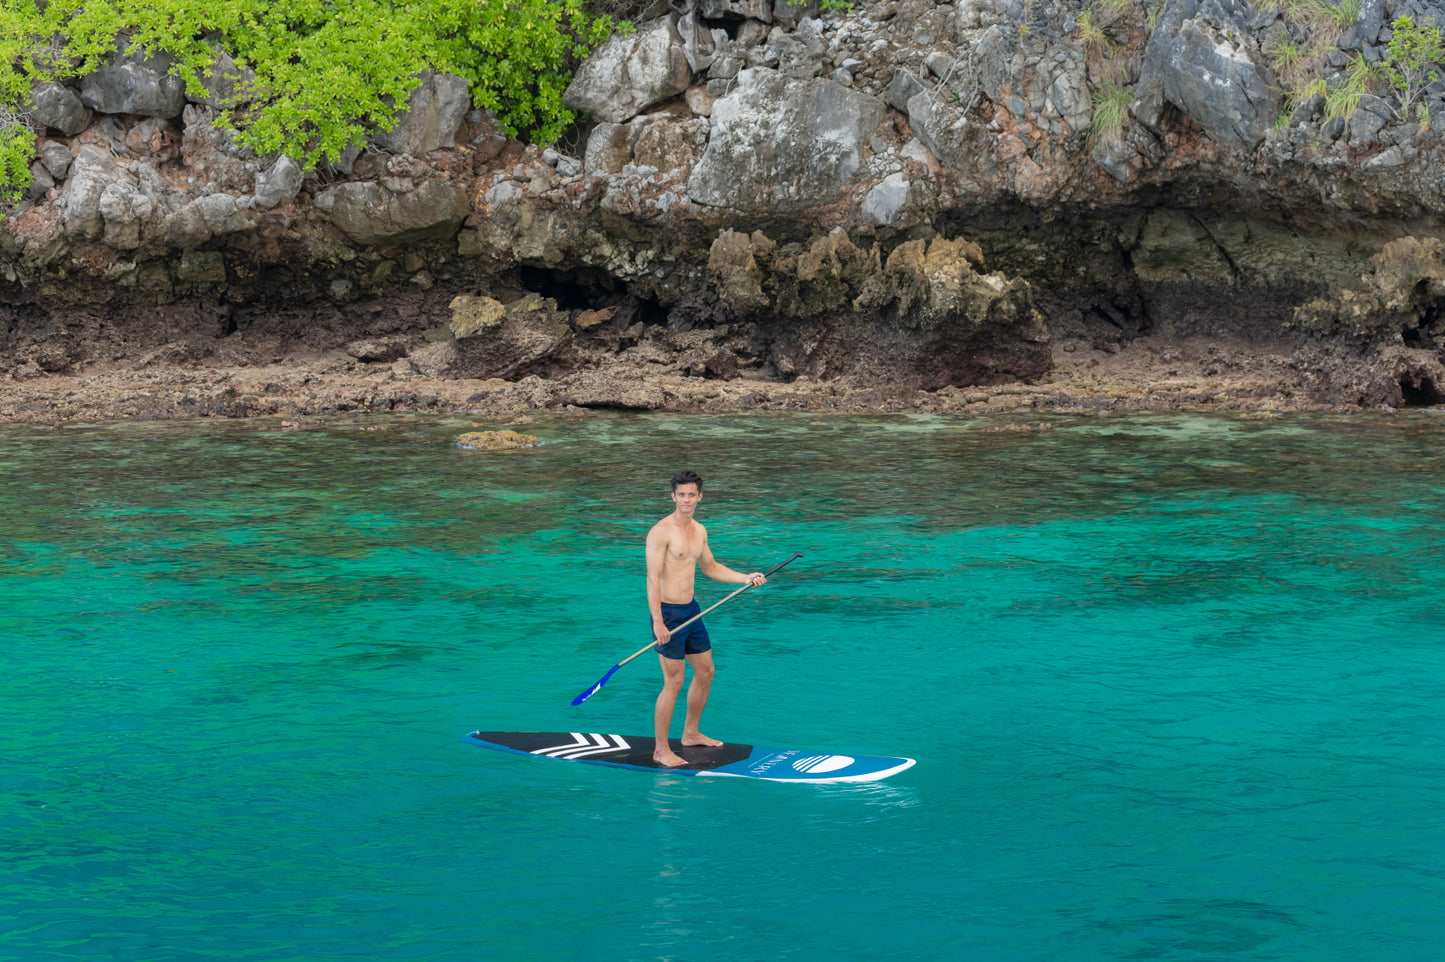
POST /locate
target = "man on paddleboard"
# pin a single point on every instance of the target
(676, 547)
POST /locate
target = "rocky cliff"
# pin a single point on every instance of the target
(908, 196)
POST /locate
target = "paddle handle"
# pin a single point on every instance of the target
(643, 650)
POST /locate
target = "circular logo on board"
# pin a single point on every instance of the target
(823, 763)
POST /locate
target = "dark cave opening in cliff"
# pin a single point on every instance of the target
(574, 290)
(1420, 390)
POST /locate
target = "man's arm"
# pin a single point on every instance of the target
(718, 571)
(656, 557)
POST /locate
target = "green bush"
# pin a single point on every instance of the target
(1342, 98)
(1112, 103)
(326, 71)
(1091, 32)
(17, 144)
(1413, 60)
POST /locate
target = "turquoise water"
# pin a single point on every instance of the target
(1174, 685)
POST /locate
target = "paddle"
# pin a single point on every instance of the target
(643, 650)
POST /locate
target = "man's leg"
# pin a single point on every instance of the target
(697, 692)
(672, 674)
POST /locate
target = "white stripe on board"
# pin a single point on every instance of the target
(584, 745)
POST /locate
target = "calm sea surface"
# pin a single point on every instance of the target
(1175, 686)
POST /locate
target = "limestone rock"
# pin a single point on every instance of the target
(660, 141)
(213, 154)
(933, 279)
(1046, 87)
(91, 173)
(225, 84)
(972, 326)
(1174, 247)
(783, 143)
(186, 227)
(59, 108)
(370, 213)
(496, 440)
(631, 72)
(202, 268)
(1402, 299)
(56, 157)
(736, 9)
(433, 116)
(902, 88)
(473, 314)
(522, 343)
(736, 274)
(884, 204)
(377, 350)
(954, 138)
(790, 13)
(1201, 59)
(278, 183)
(135, 83)
(124, 209)
(40, 183)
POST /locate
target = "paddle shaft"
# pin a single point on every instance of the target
(613, 670)
(643, 650)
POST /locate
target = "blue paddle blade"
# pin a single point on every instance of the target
(597, 687)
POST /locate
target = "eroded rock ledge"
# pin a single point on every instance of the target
(900, 206)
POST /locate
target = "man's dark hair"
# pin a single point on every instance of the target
(687, 477)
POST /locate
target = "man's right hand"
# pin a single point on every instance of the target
(660, 635)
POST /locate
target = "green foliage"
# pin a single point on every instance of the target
(1322, 14)
(1112, 102)
(326, 72)
(1413, 60)
(835, 6)
(1090, 31)
(17, 143)
(1299, 50)
(1298, 64)
(322, 76)
(517, 54)
(1342, 98)
(1344, 13)
(1287, 54)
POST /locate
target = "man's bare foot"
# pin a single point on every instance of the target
(668, 759)
(700, 739)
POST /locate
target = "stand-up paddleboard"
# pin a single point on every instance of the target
(735, 761)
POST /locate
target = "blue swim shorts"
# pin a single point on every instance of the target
(692, 640)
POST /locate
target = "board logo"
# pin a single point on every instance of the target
(817, 764)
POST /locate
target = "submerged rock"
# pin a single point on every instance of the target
(497, 440)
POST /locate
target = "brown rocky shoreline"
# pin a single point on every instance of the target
(1148, 375)
(905, 206)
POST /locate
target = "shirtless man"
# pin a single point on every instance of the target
(677, 545)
